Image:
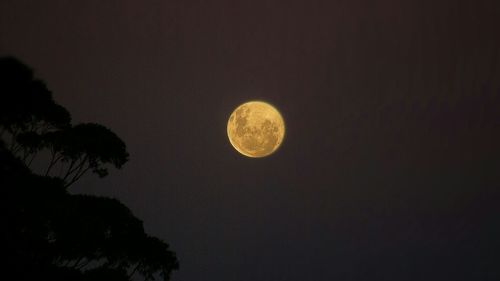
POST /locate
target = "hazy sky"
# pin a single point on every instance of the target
(390, 169)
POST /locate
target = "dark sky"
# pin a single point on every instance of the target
(390, 169)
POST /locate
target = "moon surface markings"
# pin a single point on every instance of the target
(256, 129)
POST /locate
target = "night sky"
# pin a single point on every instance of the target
(390, 167)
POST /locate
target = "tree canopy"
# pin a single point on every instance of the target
(51, 234)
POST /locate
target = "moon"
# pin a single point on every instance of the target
(256, 129)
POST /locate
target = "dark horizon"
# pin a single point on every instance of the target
(389, 169)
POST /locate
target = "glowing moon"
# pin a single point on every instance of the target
(256, 129)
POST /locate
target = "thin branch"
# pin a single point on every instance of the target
(78, 168)
(69, 171)
(15, 147)
(77, 261)
(25, 155)
(53, 161)
(77, 176)
(61, 168)
(84, 264)
(13, 139)
(134, 270)
(31, 160)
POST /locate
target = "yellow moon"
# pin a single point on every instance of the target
(256, 129)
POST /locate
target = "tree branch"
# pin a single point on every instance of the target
(77, 261)
(70, 168)
(77, 176)
(53, 161)
(31, 160)
(134, 270)
(84, 264)
(13, 139)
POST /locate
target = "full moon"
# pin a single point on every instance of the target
(256, 129)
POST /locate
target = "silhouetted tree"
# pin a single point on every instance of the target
(84, 147)
(49, 233)
(26, 108)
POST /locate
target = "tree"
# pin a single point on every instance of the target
(51, 234)
(27, 110)
(84, 147)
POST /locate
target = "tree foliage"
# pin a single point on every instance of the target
(51, 234)
(26, 103)
(84, 147)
